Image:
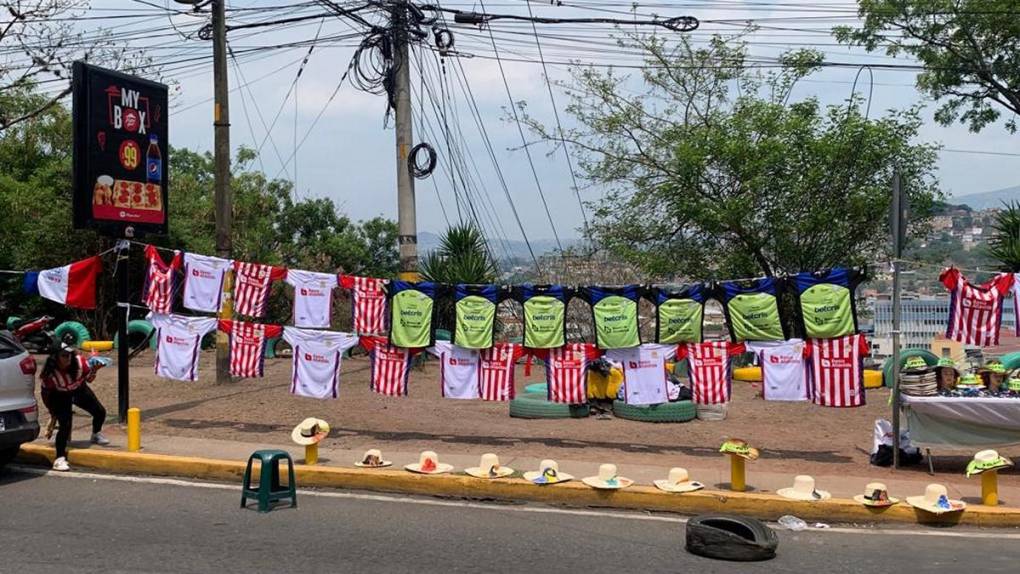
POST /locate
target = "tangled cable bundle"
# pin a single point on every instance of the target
(417, 168)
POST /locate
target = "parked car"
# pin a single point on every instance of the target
(19, 414)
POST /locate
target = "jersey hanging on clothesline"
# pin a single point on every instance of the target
(566, 371)
(203, 282)
(679, 313)
(827, 303)
(710, 369)
(615, 315)
(837, 371)
(785, 372)
(975, 311)
(368, 306)
(391, 366)
(752, 309)
(252, 283)
(496, 371)
(316, 362)
(644, 372)
(458, 370)
(545, 313)
(313, 297)
(412, 306)
(159, 288)
(475, 312)
(178, 341)
(248, 346)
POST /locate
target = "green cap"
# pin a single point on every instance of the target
(970, 380)
(915, 363)
(740, 448)
(995, 367)
(947, 362)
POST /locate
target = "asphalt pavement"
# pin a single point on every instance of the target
(96, 523)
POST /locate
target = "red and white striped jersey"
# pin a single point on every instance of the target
(61, 381)
(709, 367)
(390, 366)
(158, 291)
(566, 369)
(248, 346)
(252, 282)
(369, 303)
(837, 371)
(975, 311)
(496, 371)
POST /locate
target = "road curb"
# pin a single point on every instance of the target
(574, 493)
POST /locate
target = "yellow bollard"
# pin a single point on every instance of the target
(990, 488)
(311, 453)
(134, 429)
(738, 477)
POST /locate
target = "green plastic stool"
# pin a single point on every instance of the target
(269, 489)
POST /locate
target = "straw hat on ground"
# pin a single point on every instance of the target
(987, 460)
(548, 473)
(372, 459)
(607, 479)
(489, 467)
(876, 495)
(428, 463)
(678, 481)
(803, 489)
(310, 431)
(740, 448)
(936, 500)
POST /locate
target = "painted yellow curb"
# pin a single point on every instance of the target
(762, 506)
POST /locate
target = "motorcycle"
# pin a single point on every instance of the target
(34, 334)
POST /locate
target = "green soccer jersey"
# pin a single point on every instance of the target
(680, 321)
(411, 309)
(615, 312)
(475, 316)
(752, 309)
(545, 313)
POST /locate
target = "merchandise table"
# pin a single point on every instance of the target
(962, 422)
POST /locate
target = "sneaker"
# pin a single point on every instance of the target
(98, 438)
(61, 465)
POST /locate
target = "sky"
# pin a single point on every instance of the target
(340, 148)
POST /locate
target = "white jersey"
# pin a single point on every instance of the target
(459, 370)
(313, 297)
(784, 370)
(178, 340)
(317, 356)
(644, 372)
(203, 282)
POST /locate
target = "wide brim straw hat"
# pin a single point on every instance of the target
(607, 479)
(868, 498)
(544, 476)
(370, 453)
(489, 467)
(422, 466)
(987, 460)
(929, 501)
(804, 489)
(679, 481)
(310, 431)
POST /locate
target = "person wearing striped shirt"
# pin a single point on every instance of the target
(65, 378)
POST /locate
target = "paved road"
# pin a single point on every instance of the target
(91, 523)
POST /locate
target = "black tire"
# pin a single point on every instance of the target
(678, 412)
(731, 538)
(535, 406)
(138, 331)
(929, 358)
(72, 333)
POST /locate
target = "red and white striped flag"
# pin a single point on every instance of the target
(837, 371)
(709, 368)
(252, 283)
(369, 303)
(248, 346)
(390, 366)
(496, 371)
(565, 370)
(975, 311)
(158, 291)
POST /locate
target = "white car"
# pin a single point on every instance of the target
(19, 414)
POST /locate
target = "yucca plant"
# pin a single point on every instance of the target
(462, 257)
(1004, 245)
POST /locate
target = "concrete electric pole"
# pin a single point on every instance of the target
(406, 224)
(222, 195)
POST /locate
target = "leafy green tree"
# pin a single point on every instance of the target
(462, 257)
(1004, 245)
(970, 50)
(710, 171)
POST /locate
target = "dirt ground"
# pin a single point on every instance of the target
(793, 437)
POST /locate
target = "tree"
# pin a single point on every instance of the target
(462, 257)
(711, 172)
(1004, 245)
(969, 49)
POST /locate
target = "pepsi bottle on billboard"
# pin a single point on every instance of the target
(153, 162)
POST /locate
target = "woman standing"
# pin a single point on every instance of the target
(64, 384)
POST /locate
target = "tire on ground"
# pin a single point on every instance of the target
(138, 330)
(537, 388)
(678, 412)
(72, 332)
(929, 358)
(731, 538)
(535, 406)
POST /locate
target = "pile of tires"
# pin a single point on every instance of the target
(537, 406)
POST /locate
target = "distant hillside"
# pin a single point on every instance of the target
(988, 199)
(427, 241)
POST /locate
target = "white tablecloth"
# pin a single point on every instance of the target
(957, 422)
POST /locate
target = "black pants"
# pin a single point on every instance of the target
(60, 403)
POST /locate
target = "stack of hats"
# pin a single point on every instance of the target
(917, 379)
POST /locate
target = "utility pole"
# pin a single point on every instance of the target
(897, 239)
(222, 194)
(407, 228)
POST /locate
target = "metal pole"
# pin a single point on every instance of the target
(123, 346)
(223, 199)
(406, 225)
(897, 222)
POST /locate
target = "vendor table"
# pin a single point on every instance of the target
(962, 422)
